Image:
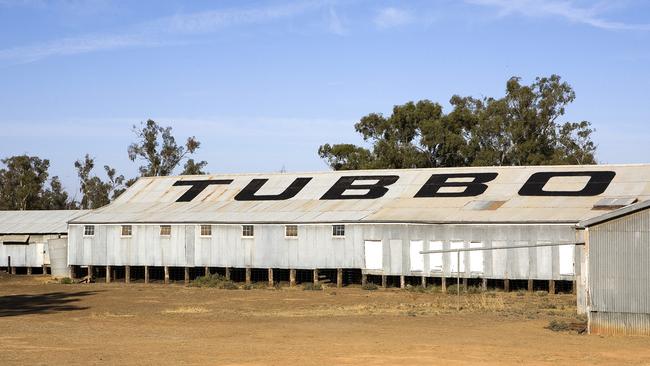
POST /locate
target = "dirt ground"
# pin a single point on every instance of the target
(50, 323)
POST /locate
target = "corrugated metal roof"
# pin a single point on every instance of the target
(154, 200)
(615, 214)
(37, 221)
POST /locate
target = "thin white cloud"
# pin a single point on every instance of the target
(393, 17)
(162, 31)
(567, 10)
(335, 24)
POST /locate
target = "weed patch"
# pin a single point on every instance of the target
(215, 281)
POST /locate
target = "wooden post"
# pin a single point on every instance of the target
(443, 284)
(248, 275)
(206, 271)
(315, 277)
(186, 278)
(90, 272)
(227, 273)
(166, 270)
(127, 274)
(70, 271)
(146, 274)
(424, 281)
(402, 281)
(551, 287)
(364, 279)
(506, 285)
(271, 283)
(29, 271)
(9, 265)
(45, 269)
(108, 274)
(292, 277)
(530, 285)
(574, 287)
(465, 284)
(339, 277)
(384, 281)
(484, 284)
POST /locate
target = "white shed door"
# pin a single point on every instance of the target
(374, 254)
(476, 258)
(435, 260)
(566, 259)
(453, 257)
(417, 259)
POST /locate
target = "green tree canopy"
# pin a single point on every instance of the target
(95, 192)
(24, 185)
(521, 128)
(157, 147)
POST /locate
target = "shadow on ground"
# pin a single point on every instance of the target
(16, 305)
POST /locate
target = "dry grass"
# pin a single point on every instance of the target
(186, 310)
(109, 315)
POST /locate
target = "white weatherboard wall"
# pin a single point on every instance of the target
(391, 249)
(28, 255)
(32, 254)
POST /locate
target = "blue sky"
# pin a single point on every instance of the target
(263, 84)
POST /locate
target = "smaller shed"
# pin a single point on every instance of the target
(24, 235)
(618, 271)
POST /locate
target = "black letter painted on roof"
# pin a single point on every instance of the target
(248, 193)
(597, 184)
(197, 186)
(473, 188)
(375, 190)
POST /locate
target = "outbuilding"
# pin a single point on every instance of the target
(352, 226)
(24, 236)
(618, 271)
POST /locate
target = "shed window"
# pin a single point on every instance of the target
(247, 231)
(165, 230)
(89, 230)
(291, 231)
(338, 230)
(127, 230)
(206, 230)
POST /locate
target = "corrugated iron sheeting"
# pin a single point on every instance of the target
(154, 199)
(619, 274)
(37, 221)
(619, 323)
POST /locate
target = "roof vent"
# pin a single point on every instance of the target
(484, 205)
(613, 203)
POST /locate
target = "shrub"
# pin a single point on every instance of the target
(521, 293)
(416, 288)
(66, 281)
(311, 287)
(370, 287)
(453, 289)
(541, 293)
(214, 280)
(558, 325)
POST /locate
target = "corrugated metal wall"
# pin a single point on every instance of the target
(619, 275)
(33, 254)
(315, 247)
